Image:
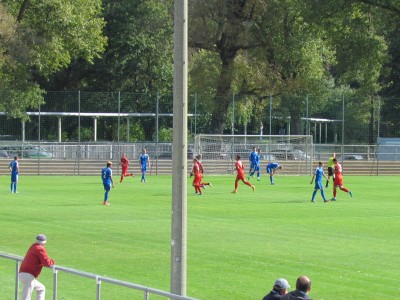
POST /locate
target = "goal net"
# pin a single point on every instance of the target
(293, 152)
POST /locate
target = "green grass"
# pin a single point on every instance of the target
(238, 244)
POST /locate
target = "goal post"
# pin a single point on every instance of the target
(294, 152)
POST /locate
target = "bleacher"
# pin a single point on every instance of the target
(164, 167)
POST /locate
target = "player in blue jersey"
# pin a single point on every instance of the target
(318, 174)
(144, 161)
(253, 162)
(108, 183)
(14, 167)
(257, 165)
(271, 169)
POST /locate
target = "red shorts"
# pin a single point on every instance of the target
(338, 181)
(240, 176)
(197, 179)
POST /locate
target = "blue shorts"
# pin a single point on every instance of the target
(253, 166)
(270, 170)
(257, 168)
(319, 185)
(14, 177)
(107, 185)
(144, 168)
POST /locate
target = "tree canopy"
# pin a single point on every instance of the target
(40, 38)
(247, 49)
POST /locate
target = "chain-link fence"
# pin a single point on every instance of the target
(118, 118)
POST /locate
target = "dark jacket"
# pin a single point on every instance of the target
(296, 295)
(273, 295)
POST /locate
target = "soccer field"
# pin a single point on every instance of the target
(238, 244)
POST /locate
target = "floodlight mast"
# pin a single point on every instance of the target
(179, 153)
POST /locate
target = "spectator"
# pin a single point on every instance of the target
(303, 287)
(280, 288)
(35, 259)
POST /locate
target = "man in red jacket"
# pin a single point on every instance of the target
(35, 259)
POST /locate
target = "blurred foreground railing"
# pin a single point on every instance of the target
(147, 291)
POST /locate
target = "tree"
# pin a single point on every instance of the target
(263, 48)
(226, 28)
(47, 36)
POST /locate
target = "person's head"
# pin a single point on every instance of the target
(123, 154)
(144, 151)
(254, 149)
(195, 159)
(109, 164)
(321, 164)
(237, 157)
(281, 285)
(280, 167)
(303, 284)
(259, 150)
(198, 156)
(334, 160)
(15, 157)
(41, 239)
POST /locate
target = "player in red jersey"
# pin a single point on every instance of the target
(197, 177)
(202, 172)
(338, 180)
(124, 163)
(240, 174)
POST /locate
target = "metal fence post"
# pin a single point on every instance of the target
(233, 114)
(378, 135)
(16, 279)
(79, 131)
(55, 283)
(307, 117)
(342, 150)
(98, 288)
(270, 114)
(157, 116)
(195, 113)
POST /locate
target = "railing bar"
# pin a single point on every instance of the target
(98, 279)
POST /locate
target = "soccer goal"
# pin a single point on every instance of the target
(293, 152)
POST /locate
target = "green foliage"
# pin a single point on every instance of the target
(164, 135)
(85, 134)
(53, 136)
(42, 37)
(139, 56)
(136, 132)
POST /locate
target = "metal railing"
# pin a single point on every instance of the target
(147, 291)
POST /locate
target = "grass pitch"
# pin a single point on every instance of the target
(238, 244)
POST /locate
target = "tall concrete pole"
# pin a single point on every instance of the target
(179, 154)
